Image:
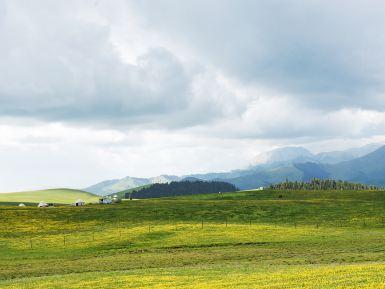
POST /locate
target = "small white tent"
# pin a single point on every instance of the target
(105, 201)
(116, 199)
(21, 205)
(42, 204)
(79, 202)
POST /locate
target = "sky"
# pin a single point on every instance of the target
(95, 90)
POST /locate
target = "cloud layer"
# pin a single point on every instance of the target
(60, 66)
(148, 87)
(327, 54)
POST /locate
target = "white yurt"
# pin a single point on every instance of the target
(42, 204)
(79, 202)
(21, 205)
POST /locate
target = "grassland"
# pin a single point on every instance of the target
(251, 239)
(58, 196)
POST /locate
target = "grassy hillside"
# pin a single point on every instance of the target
(60, 196)
(250, 239)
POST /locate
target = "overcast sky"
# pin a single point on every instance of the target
(93, 90)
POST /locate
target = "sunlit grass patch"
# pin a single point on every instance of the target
(245, 240)
(278, 277)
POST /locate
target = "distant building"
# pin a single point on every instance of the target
(42, 205)
(116, 199)
(79, 202)
(105, 201)
(21, 205)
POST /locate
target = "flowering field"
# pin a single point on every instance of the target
(279, 277)
(240, 240)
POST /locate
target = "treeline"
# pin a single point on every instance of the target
(322, 184)
(180, 189)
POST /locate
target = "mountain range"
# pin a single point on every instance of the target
(363, 164)
(117, 185)
(300, 154)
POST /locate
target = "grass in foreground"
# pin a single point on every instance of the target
(336, 276)
(248, 240)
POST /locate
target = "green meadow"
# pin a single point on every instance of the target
(57, 196)
(250, 239)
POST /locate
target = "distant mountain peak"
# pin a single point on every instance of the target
(285, 155)
(298, 154)
(334, 157)
(116, 185)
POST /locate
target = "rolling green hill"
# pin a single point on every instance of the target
(249, 239)
(58, 196)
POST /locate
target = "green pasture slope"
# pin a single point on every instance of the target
(253, 239)
(57, 196)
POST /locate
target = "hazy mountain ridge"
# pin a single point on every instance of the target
(284, 155)
(334, 157)
(363, 164)
(289, 155)
(116, 185)
(369, 169)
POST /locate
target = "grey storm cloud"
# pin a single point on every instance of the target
(59, 66)
(73, 72)
(57, 63)
(327, 54)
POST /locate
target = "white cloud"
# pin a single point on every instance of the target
(63, 66)
(103, 89)
(57, 155)
(328, 54)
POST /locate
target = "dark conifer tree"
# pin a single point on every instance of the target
(181, 188)
(324, 184)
